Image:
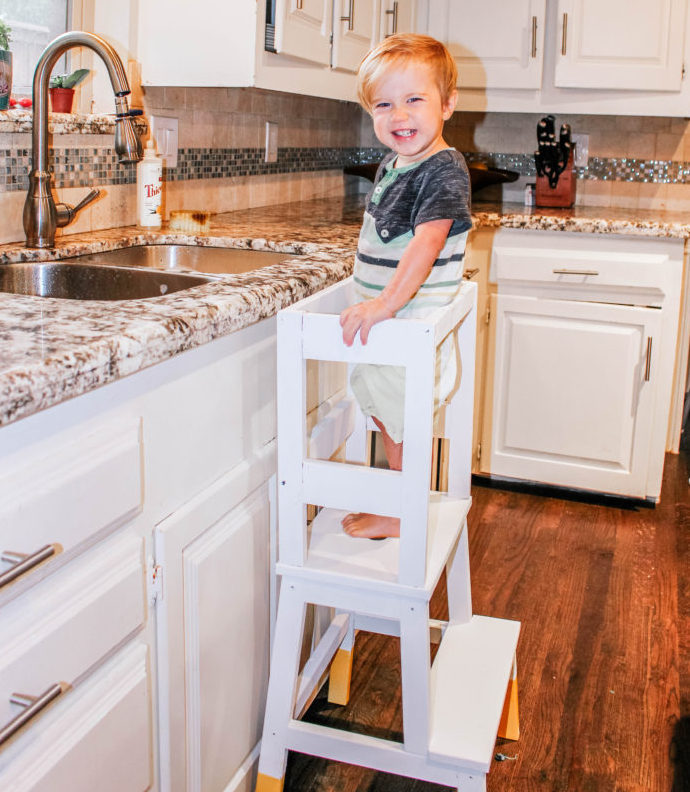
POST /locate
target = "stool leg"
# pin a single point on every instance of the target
(341, 669)
(509, 726)
(287, 644)
(415, 661)
(458, 581)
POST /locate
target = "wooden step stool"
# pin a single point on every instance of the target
(451, 709)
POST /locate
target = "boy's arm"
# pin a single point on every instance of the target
(412, 270)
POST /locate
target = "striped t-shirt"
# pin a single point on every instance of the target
(437, 188)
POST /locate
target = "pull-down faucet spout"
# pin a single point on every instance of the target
(41, 215)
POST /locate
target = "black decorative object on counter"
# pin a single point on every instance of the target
(552, 156)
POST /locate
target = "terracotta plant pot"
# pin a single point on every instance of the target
(61, 99)
(5, 78)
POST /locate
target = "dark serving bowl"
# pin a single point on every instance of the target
(480, 177)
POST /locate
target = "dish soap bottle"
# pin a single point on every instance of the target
(149, 188)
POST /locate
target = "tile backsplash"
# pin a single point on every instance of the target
(634, 162)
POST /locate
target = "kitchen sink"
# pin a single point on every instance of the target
(212, 260)
(82, 281)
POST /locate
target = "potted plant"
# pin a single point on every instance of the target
(5, 65)
(61, 90)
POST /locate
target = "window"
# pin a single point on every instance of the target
(34, 23)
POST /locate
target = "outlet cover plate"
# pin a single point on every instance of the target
(271, 142)
(164, 131)
(581, 150)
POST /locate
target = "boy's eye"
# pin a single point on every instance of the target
(415, 99)
(381, 105)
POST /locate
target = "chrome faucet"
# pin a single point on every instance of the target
(42, 216)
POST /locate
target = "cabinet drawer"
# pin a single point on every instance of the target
(68, 496)
(56, 632)
(100, 740)
(578, 260)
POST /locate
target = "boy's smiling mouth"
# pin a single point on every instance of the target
(404, 132)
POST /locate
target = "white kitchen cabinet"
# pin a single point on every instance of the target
(298, 46)
(572, 403)
(495, 44)
(184, 447)
(213, 630)
(101, 741)
(355, 31)
(566, 56)
(585, 330)
(621, 45)
(303, 29)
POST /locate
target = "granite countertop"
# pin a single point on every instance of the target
(53, 350)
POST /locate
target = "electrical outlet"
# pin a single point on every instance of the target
(164, 131)
(271, 142)
(581, 150)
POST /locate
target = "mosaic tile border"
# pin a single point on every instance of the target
(85, 166)
(629, 169)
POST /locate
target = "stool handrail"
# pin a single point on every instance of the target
(310, 329)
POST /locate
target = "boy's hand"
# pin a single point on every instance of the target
(362, 317)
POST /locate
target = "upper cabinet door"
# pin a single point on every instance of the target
(620, 44)
(496, 44)
(303, 29)
(355, 30)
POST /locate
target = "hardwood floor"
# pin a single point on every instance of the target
(603, 594)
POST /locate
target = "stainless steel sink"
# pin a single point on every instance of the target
(213, 260)
(81, 281)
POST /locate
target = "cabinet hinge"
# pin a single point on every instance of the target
(488, 313)
(479, 452)
(154, 582)
(682, 72)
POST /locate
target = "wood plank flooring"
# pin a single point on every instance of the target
(603, 594)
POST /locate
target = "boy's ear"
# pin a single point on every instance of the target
(449, 105)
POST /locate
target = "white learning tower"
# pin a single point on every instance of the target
(454, 708)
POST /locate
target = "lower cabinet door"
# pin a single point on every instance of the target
(574, 387)
(213, 633)
(97, 738)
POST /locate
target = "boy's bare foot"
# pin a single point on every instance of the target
(371, 526)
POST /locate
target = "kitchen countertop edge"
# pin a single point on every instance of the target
(90, 344)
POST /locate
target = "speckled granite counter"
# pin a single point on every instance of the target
(53, 350)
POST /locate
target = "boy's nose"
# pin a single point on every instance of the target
(400, 113)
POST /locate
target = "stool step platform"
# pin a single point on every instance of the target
(333, 552)
(468, 687)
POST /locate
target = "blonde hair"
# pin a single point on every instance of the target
(399, 50)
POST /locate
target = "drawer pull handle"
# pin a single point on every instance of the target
(350, 18)
(32, 706)
(564, 38)
(394, 12)
(470, 273)
(23, 563)
(648, 361)
(534, 37)
(574, 272)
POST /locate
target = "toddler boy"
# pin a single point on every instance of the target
(411, 246)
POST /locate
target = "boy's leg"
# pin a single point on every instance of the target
(375, 526)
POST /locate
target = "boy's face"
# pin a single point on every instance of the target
(408, 112)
